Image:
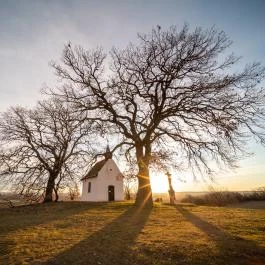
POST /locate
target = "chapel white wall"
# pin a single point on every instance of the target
(108, 175)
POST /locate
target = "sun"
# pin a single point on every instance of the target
(159, 183)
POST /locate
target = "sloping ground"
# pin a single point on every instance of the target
(118, 233)
(11, 203)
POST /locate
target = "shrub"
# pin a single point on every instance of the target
(221, 198)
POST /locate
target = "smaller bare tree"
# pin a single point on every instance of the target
(43, 149)
(73, 192)
(130, 179)
(130, 186)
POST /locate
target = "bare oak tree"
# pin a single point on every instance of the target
(173, 91)
(43, 149)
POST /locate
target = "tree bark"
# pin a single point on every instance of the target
(49, 188)
(56, 195)
(144, 196)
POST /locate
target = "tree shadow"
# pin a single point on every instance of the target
(24, 217)
(110, 245)
(21, 217)
(232, 249)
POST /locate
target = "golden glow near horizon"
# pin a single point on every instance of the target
(247, 178)
(159, 183)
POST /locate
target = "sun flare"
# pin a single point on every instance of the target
(159, 183)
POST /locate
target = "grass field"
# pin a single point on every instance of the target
(119, 233)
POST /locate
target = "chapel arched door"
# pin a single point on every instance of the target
(111, 192)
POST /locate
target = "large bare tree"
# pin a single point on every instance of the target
(43, 149)
(174, 92)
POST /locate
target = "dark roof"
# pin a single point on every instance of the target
(93, 172)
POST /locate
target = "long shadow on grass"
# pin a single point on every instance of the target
(110, 245)
(232, 249)
(23, 217)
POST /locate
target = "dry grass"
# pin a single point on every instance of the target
(119, 233)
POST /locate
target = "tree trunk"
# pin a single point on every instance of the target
(56, 195)
(49, 188)
(144, 196)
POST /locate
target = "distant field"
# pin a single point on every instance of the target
(119, 233)
(179, 195)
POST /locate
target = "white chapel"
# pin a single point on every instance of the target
(103, 182)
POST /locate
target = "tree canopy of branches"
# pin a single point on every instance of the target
(174, 91)
(43, 149)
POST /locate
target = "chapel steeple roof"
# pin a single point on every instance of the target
(93, 172)
(108, 154)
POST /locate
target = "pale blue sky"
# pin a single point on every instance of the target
(33, 32)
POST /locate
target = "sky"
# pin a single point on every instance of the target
(32, 33)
